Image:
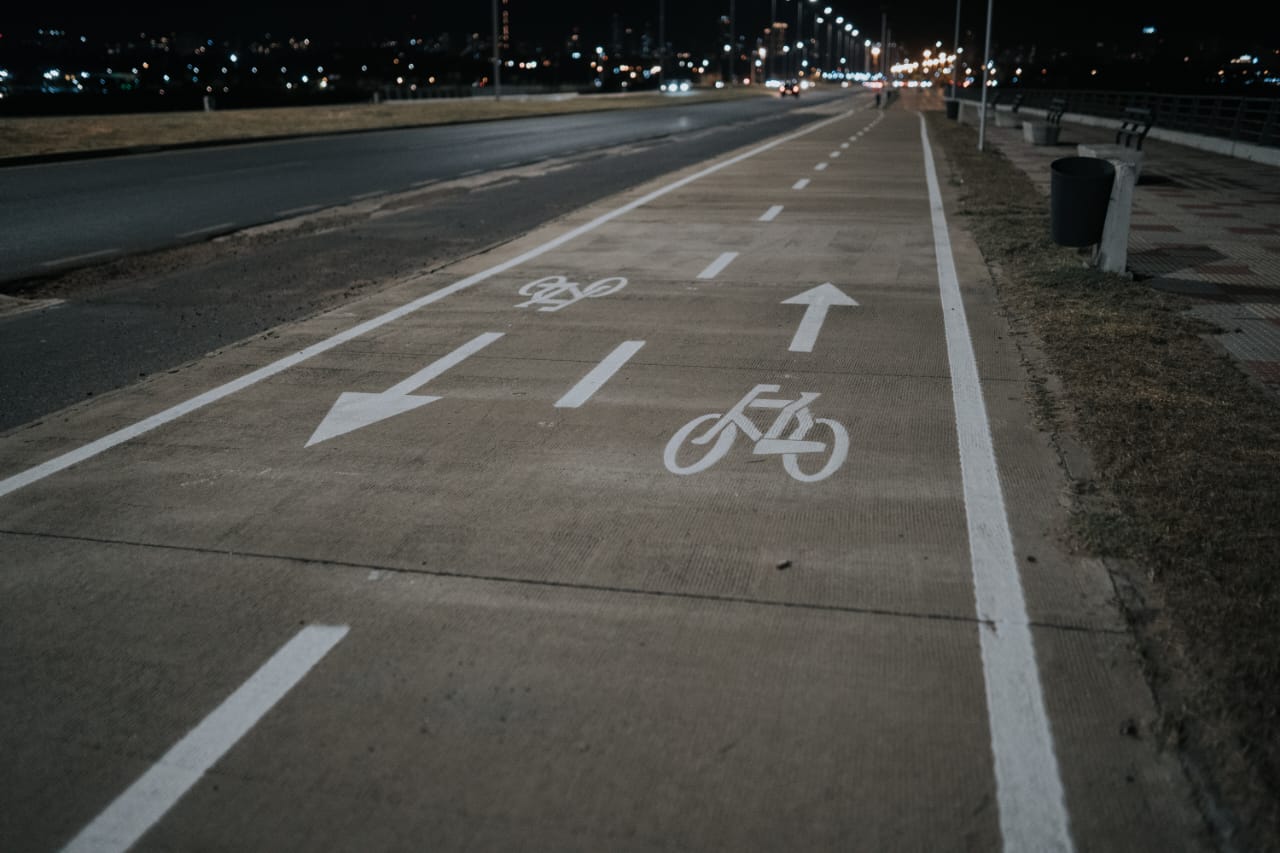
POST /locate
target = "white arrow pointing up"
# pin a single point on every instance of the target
(355, 410)
(819, 299)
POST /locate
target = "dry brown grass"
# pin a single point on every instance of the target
(1185, 489)
(22, 137)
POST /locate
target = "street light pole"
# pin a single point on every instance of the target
(986, 69)
(662, 44)
(497, 57)
(955, 51)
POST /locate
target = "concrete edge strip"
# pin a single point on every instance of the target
(147, 800)
(1033, 812)
(39, 472)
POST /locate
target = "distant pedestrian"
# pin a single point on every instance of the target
(877, 99)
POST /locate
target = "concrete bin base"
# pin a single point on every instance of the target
(1007, 118)
(1113, 152)
(1040, 133)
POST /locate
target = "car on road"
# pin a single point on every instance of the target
(789, 87)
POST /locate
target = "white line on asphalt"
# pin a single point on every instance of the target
(717, 266)
(844, 145)
(1033, 811)
(155, 792)
(221, 226)
(771, 214)
(368, 195)
(92, 449)
(294, 211)
(820, 167)
(75, 258)
(600, 374)
(800, 184)
(834, 154)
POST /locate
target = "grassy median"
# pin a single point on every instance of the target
(25, 137)
(1183, 491)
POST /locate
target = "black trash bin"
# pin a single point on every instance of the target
(953, 108)
(1079, 191)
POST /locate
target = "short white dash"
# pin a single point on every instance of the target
(294, 211)
(771, 214)
(717, 266)
(834, 154)
(820, 167)
(368, 195)
(146, 801)
(844, 145)
(800, 184)
(221, 226)
(600, 374)
(77, 258)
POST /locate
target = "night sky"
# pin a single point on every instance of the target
(688, 21)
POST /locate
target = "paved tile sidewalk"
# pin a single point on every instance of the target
(1204, 225)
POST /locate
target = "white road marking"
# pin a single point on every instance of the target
(294, 211)
(771, 214)
(368, 195)
(800, 184)
(844, 145)
(717, 266)
(1033, 811)
(600, 374)
(92, 449)
(148, 799)
(820, 167)
(834, 154)
(354, 410)
(76, 258)
(221, 226)
(818, 300)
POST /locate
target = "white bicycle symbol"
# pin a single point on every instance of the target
(723, 429)
(555, 291)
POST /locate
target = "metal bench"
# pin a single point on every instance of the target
(1134, 128)
(1046, 132)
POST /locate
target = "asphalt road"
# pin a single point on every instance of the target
(148, 312)
(59, 215)
(712, 515)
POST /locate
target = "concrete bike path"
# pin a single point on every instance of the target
(535, 561)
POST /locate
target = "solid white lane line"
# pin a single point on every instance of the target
(88, 451)
(75, 258)
(771, 214)
(820, 167)
(146, 800)
(221, 226)
(800, 184)
(1033, 811)
(600, 374)
(294, 211)
(717, 266)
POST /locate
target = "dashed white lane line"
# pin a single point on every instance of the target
(844, 145)
(600, 374)
(77, 258)
(771, 214)
(800, 184)
(1033, 811)
(834, 154)
(294, 211)
(221, 226)
(820, 167)
(717, 266)
(146, 800)
(146, 425)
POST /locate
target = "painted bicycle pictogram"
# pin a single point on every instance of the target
(722, 431)
(554, 292)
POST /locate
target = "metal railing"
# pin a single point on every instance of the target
(1234, 117)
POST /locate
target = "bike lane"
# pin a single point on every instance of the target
(563, 630)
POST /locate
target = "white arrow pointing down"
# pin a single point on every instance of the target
(354, 409)
(819, 299)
